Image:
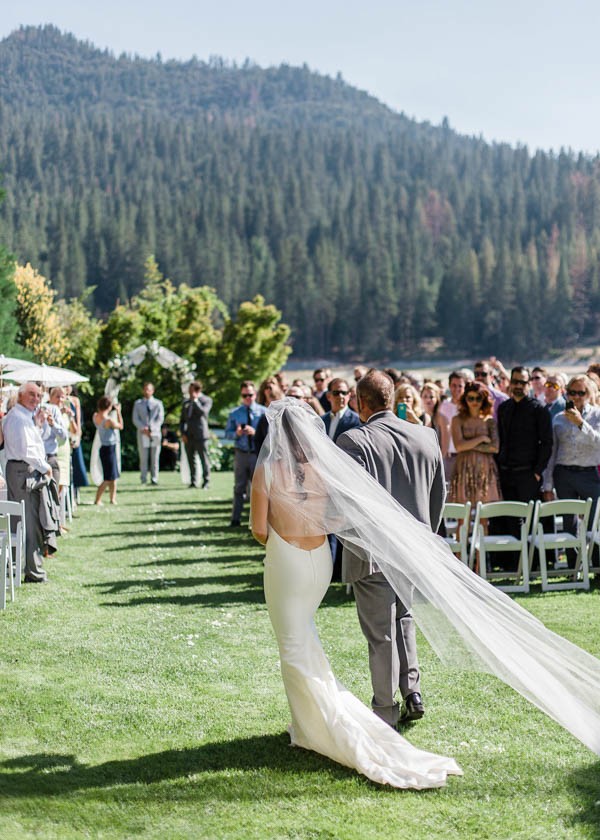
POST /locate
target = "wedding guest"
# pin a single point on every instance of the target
(241, 428)
(554, 399)
(58, 397)
(408, 396)
(449, 409)
(341, 417)
(573, 467)
(109, 422)
(26, 457)
(148, 417)
(169, 449)
(525, 432)
(79, 472)
(475, 436)
(538, 379)
(432, 401)
(483, 374)
(321, 378)
(193, 426)
(313, 402)
(272, 392)
(53, 434)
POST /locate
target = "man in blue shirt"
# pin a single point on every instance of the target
(241, 428)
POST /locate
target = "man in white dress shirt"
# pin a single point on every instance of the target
(449, 408)
(341, 418)
(24, 449)
(148, 417)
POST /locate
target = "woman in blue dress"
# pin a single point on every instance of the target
(108, 425)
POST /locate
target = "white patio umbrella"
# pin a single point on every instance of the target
(48, 375)
(9, 365)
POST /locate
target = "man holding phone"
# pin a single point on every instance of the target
(241, 428)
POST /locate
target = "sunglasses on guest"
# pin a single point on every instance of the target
(319, 379)
(247, 395)
(554, 385)
(572, 393)
(336, 393)
(474, 398)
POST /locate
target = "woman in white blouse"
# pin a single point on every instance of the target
(573, 466)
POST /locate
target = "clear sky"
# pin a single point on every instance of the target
(520, 71)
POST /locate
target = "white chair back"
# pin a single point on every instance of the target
(458, 534)
(559, 540)
(484, 543)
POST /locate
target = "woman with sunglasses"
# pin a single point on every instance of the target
(573, 466)
(475, 437)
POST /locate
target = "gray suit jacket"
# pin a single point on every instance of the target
(151, 414)
(406, 460)
(194, 417)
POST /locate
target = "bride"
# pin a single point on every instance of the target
(304, 488)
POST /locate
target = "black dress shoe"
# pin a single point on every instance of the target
(28, 579)
(412, 708)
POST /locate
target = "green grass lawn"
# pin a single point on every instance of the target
(141, 697)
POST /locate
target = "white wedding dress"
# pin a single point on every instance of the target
(326, 717)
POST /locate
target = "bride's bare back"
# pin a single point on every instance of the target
(293, 504)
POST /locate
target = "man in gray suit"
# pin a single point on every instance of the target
(148, 416)
(193, 426)
(406, 460)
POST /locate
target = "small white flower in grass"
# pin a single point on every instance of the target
(191, 642)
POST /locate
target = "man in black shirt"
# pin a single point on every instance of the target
(525, 430)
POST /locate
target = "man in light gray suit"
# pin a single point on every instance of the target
(406, 460)
(148, 416)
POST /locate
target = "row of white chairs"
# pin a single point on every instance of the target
(469, 539)
(12, 539)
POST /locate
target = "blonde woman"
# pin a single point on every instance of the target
(407, 405)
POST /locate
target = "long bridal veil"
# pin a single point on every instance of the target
(468, 622)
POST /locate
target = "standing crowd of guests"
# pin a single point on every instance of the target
(518, 435)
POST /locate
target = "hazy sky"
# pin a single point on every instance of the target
(521, 71)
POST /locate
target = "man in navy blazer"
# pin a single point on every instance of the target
(341, 418)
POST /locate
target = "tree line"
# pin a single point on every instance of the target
(374, 235)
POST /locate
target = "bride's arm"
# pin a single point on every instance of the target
(259, 506)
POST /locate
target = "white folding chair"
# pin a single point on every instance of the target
(593, 540)
(16, 538)
(559, 540)
(458, 537)
(486, 543)
(7, 581)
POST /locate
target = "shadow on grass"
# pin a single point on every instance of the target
(584, 784)
(53, 774)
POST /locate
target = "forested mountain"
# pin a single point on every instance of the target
(370, 231)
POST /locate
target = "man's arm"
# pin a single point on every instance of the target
(205, 404)
(136, 419)
(544, 431)
(161, 413)
(347, 443)
(437, 497)
(183, 417)
(231, 426)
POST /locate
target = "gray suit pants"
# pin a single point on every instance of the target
(243, 470)
(148, 454)
(193, 446)
(17, 473)
(390, 632)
